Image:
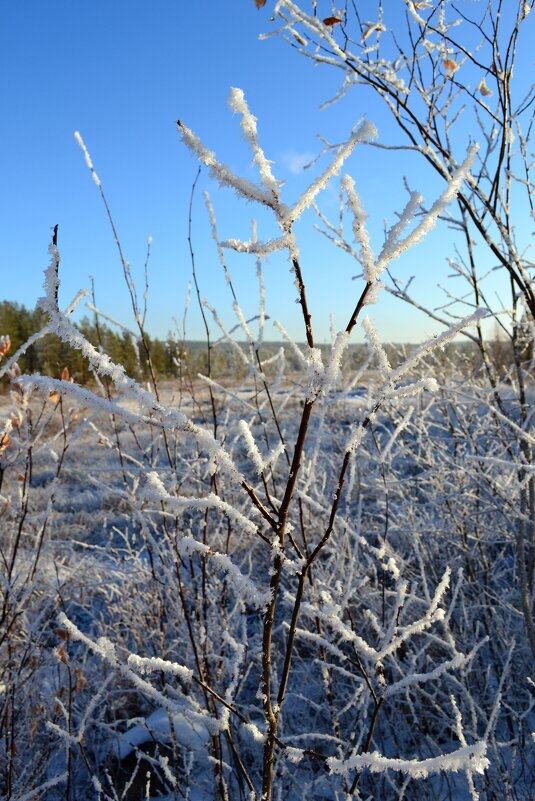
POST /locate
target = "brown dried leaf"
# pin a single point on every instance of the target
(62, 654)
(81, 680)
(5, 344)
(260, 3)
(65, 375)
(330, 21)
(450, 66)
(63, 634)
(54, 396)
(4, 442)
(16, 420)
(484, 89)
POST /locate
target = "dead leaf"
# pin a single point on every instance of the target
(81, 680)
(5, 344)
(484, 89)
(260, 3)
(450, 66)
(62, 654)
(16, 420)
(54, 396)
(65, 375)
(330, 21)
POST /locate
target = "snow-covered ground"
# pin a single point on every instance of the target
(410, 657)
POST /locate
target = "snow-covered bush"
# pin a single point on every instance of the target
(445, 74)
(273, 592)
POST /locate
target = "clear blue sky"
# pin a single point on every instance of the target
(121, 73)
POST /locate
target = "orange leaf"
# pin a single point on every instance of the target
(65, 375)
(5, 344)
(62, 654)
(4, 442)
(450, 66)
(81, 680)
(484, 89)
(54, 396)
(330, 21)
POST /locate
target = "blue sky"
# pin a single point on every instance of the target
(121, 73)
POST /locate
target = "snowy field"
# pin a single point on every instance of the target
(410, 638)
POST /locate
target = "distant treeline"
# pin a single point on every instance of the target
(49, 355)
(169, 357)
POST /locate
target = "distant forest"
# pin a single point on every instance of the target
(170, 357)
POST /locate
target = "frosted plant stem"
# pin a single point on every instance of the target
(271, 713)
(107, 389)
(130, 286)
(358, 308)
(312, 556)
(272, 716)
(303, 302)
(199, 300)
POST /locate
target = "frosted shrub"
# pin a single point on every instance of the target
(444, 73)
(252, 621)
